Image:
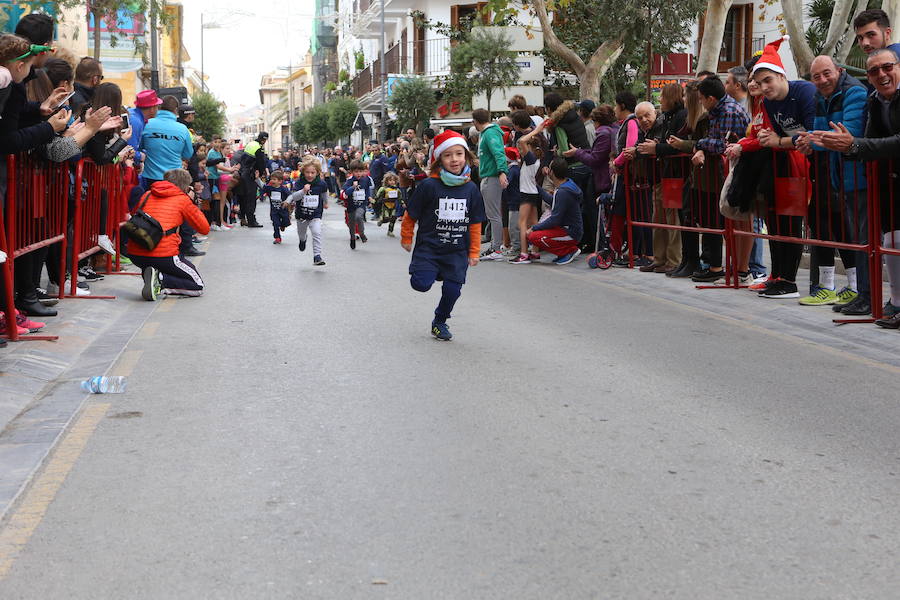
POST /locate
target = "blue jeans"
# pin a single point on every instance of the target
(756, 254)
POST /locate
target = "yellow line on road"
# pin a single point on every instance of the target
(165, 305)
(126, 363)
(23, 523)
(148, 330)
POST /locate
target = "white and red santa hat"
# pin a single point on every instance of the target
(770, 58)
(446, 140)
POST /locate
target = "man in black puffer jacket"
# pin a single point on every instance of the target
(567, 132)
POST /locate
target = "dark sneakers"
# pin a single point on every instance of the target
(317, 261)
(441, 331)
(858, 307)
(302, 245)
(363, 238)
(780, 289)
(353, 242)
(707, 276)
(889, 322)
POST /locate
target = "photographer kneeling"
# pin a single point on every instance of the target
(170, 202)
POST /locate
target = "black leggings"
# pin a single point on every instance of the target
(785, 255)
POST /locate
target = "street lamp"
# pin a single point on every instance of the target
(203, 26)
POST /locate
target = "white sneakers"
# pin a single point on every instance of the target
(2, 257)
(106, 245)
(53, 289)
(493, 256)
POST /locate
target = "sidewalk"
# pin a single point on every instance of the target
(786, 317)
(40, 389)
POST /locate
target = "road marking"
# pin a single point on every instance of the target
(30, 512)
(148, 330)
(733, 321)
(126, 363)
(165, 305)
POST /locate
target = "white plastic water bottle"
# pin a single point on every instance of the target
(104, 385)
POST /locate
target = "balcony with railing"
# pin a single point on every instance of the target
(427, 58)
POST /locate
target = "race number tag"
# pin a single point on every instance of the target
(310, 201)
(451, 209)
(392, 194)
(275, 196)
(359, 195)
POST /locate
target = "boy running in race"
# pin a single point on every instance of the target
(388, 196)
(277, 195)
(358, 196)
(309, 200)
(449, 210)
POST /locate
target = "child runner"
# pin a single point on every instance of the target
(388, 195)
(358, 194)
(449, 210)
(277, 195)
(309, 201)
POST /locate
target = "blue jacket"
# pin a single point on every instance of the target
(566, 211)
(136, 121)
(166, 142)
(847, 105)
(365, 183)
(377, 168)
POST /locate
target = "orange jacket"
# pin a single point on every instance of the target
(171, 207)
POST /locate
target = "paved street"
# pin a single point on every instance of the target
(296, 433)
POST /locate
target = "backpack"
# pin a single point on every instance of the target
(143, 229)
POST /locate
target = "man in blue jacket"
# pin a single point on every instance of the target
(165, 142)
(560, 232)
(838, 212)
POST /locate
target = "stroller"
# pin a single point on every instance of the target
(604, 256)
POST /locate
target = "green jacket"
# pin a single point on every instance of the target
(491, 155)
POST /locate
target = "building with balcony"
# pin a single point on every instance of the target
(745, 34)
(323, 48)
(412, 49)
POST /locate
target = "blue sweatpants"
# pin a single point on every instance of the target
(422, 281)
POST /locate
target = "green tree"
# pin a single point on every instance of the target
(298, 130)
(590, 38)
(106, 11)
(210, 118)
(342, 113)
(315, 124)
(414, 101)
(481, 65)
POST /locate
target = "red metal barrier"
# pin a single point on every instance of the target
(35, 216)
(680, 186)
(813, 208)
(884, 228)
(118, 215)
(94, 184)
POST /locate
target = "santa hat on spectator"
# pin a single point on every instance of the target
(447, 140)
(511, 153)
(770, 59)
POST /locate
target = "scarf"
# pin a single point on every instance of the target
(455, 180)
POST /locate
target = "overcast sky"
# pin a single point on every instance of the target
(256, 37)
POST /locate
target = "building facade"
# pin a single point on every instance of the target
(412, 49)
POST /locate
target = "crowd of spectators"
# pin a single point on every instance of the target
(557, 178)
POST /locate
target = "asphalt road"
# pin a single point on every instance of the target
(296, 433)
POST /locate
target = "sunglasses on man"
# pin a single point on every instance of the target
(887, 67)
